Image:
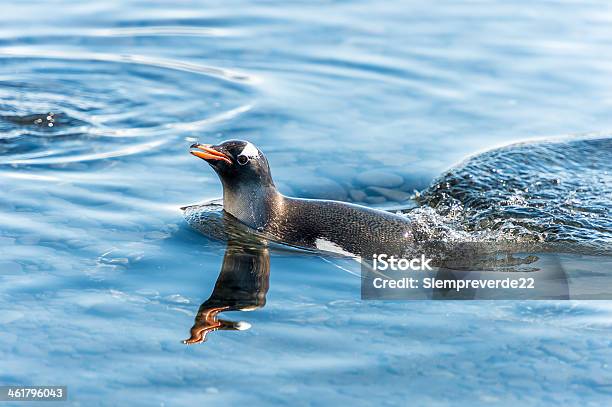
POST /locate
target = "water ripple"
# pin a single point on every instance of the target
(100, 109)
(48, 157)
(222, 73)
(160, 31)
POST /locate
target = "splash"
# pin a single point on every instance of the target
(555, 193)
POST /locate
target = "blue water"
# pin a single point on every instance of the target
(101, 277)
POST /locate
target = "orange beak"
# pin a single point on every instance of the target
(206, 152)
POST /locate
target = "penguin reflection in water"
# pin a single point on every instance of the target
(241, 286)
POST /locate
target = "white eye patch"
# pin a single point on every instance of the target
(249, 151)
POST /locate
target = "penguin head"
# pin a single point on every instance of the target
(237, 162)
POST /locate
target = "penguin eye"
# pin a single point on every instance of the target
(242, 159)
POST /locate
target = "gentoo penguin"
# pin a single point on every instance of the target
(249, 195)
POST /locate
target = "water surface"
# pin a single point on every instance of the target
(102, 277)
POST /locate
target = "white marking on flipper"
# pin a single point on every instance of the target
(327, 246)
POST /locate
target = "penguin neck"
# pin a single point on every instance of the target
(253, 205)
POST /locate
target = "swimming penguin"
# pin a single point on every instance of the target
(249, 195)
